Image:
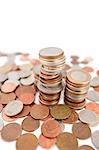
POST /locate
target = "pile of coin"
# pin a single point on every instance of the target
(50, 80)
(77, 85)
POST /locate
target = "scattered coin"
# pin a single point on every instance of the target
(7, 118)
(85, 147)
(81, 130)
(13, 108)
(5, 98)
(28, 81)
(39, 111)
(95, 82)
(67, 141)
(60, 111)
(27, 142)
(13, 75)
(93, 96)
(11, 132)
(93, 107)
(3, 77)
(95, 139)
(25, 112)
(29, 124)
(1, 124)
(51, 128)
(45, 142)
(88, 69)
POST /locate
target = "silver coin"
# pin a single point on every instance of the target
(95, 82)
(28, 81)
(1, 124)
(13, 108)
(13, 75)
(3, 77)
(24, 73)
(95, 139)
(87, 116)
(37, 69)
(13, 81)
(93, 96)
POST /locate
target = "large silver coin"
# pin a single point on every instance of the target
(95, 82)
(28, 81)
(1, 124)
(13, 108)
(13, 75)
(93, 96)
(3, 77)
(95, 139)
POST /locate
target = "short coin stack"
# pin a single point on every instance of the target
(50, 81)
(77, 85)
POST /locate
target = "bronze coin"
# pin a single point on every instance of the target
(88, 69)
(25, 94)
(72, 118)
(60, 111)
(11, 132)
(45, 142)
(24, 112)
(29, 124)
(51, 128)
(39, 111)
(81, 130)
(67, 141)
(27, 142)
(85, 147)
(5, 98)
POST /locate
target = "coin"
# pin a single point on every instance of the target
(60, 111)
(24, 73)
(27, 141)
(96, 89)
(28, 81)
(51, 128)
(29, 124)
(11, 132)
(7, 118)
(95, 82)
(85, 147)
(13, 75)
(39, 111)
(25, 111)
(87, 116)
(95, 139)
(1, 124)
(3, 77)
(45, 142)
(88, 69)
(72, 118)
(13, 108)
(93, 96)
(93, 107)
(5, 98)
(81, 130)
(67, 141)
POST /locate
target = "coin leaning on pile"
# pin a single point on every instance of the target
(19, 86)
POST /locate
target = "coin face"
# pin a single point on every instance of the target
(93, 96)
(60, 111)
(95, 139)
(45, 142)
(85, 147)
(51, 128)
(11, 132)
(93, 107)
(88, 69)
(28, 81)
(27, 142)
(39, 111)
(29, 124)
(3, 77)
(81, 130)
(5, 98)
(67, 141)
(25, 111)
(95, 82)
(13, 108)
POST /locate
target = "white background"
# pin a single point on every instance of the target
(29, 25)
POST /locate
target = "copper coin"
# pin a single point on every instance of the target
(27, 142)
(81, 130)
(85, 147)
(60, 111)
(88, 69)
(39, 111)
(5, 98)
(29, 124)
(72, 118)
(1, 107)
(67, 141)
(24, 112)
(25, 94)
(45, 142)
(93, 107)
(96, 89)
(6, 118)
(51, 128)
(11, 132)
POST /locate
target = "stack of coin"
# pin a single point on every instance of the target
(50, 80)
(77, 85)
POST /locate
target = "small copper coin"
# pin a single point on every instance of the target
(81, 130)
(85, 147)
(5, 98)
(51, 128)
(67, 141)
(93, 107)
(25, 94)
(29, 124)
(1, 107)
(11, 132)
(39, 111)
(27, 142)
(6, 118)
(60, 111)
(45, 142)
(88, 69)
(24, 112)
(8, 87)
(72, 118)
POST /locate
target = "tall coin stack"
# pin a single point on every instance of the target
(50, 80)
(77, 85)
